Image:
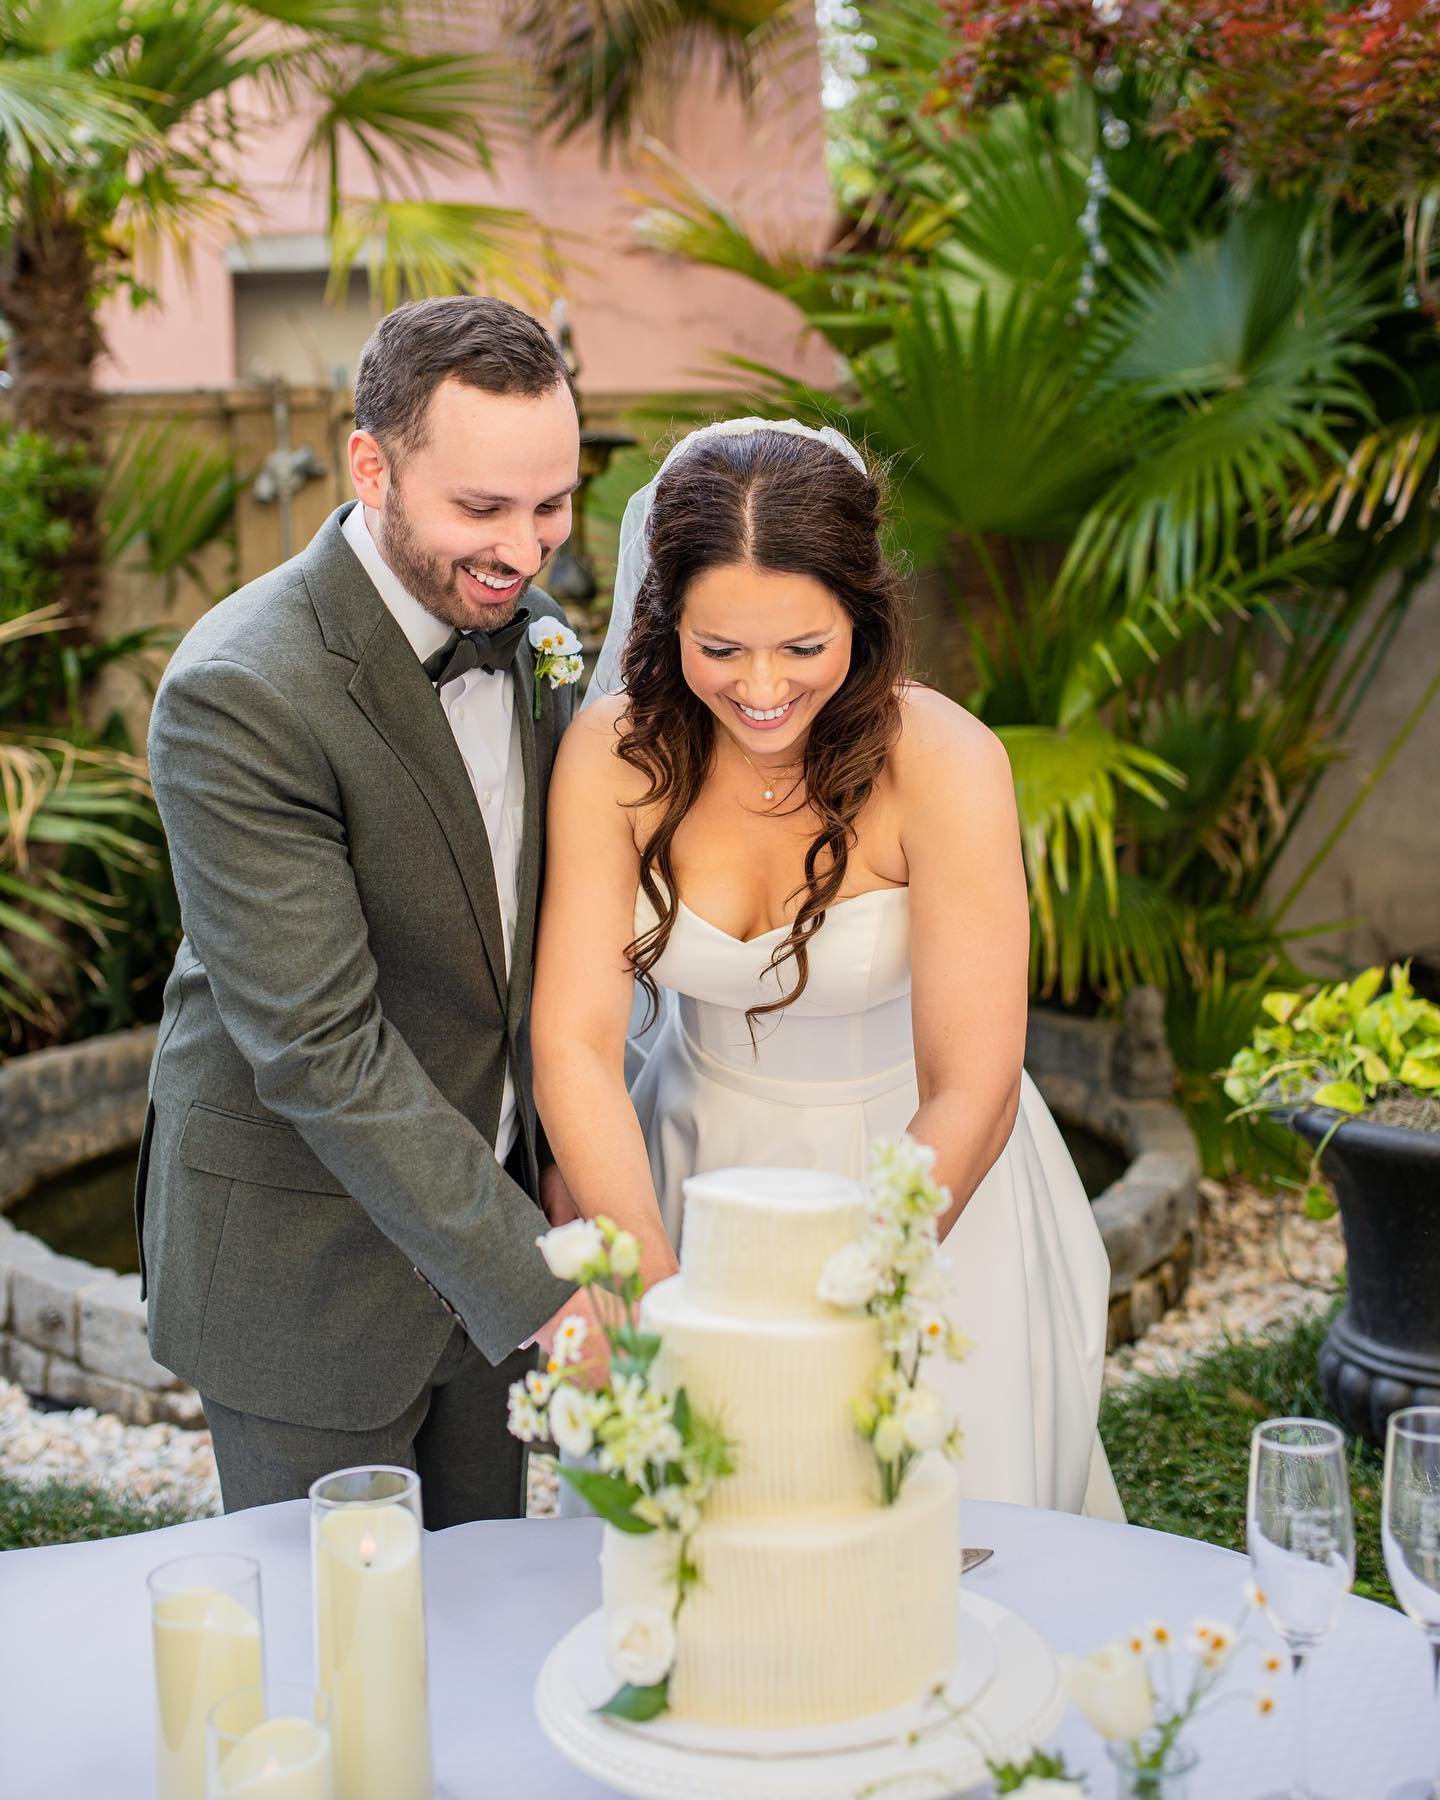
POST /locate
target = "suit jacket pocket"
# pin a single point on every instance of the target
(217, 1142)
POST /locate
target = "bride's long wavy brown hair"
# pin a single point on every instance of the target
(793, 506)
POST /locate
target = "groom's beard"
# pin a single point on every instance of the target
(432, 581)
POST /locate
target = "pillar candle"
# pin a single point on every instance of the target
(370, 1643)
(280, 1759)
(206, 1645)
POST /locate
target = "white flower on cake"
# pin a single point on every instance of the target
(570, 1339)
(640, 1645)
(922, 1419)
(892, 1271)
(570, 1422)
(671, 1507)
(888, 1439)
(638, 1430)
(655, 1459)
(1112, 1689)
(524, 1421)
(851, 1277)
(625, 1255)
(571, 1251)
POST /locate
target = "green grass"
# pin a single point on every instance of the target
(1180, 1445)
(61, 1513)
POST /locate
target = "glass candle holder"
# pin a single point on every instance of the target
(205, 1623)
(370, 1631)
(270, 1743)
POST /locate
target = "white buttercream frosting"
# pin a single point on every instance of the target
(815, 1603)
(755, 1240)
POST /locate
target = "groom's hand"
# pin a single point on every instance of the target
(555, 1199)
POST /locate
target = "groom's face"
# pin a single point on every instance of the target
(764, 651)
(467, 516)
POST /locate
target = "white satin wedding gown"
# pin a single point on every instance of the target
(1028, 1275)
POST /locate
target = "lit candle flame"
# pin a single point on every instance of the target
(369, 1549)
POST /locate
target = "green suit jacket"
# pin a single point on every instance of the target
(317, 1171)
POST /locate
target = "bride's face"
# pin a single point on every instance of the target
(764, 651)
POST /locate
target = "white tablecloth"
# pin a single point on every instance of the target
(76, 1684)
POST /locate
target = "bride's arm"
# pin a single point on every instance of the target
(970, 937)
(583, 986)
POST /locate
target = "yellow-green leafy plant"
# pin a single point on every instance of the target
(1347, 1047)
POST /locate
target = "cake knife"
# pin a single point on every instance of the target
(972, 1559)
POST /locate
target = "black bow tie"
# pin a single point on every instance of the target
(462, 651)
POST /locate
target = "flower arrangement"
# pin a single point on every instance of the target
(892, 1272)
(557, 655)
(1140, 1695)
(1347, 1046)
(655, 1460)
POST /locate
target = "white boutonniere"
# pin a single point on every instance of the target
(557, 655)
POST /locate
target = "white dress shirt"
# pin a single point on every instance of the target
(480, 709)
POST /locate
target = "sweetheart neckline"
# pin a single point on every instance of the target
(775, 931)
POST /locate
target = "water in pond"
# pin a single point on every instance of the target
(1098, 1160)
(88, 1212)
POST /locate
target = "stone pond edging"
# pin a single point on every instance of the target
(75, 1334)
(1115, 1077)
(70, 1332)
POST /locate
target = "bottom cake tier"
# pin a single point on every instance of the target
(804, 1621)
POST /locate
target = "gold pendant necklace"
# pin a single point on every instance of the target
(769, 793)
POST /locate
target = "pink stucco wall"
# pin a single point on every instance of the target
(643, 322)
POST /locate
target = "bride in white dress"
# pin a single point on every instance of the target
(814, 867)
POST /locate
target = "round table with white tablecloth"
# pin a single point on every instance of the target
(76, 1688)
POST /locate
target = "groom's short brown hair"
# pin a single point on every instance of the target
(472, 338)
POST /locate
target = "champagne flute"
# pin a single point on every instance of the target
(1410, 1532)
(1302, 1548)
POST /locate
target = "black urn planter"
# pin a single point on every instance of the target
(1383, 1350)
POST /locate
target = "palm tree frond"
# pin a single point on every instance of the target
(412, 248)
(1066, 791)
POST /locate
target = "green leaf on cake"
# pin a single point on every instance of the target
(634, 1350)
(637, 1703)
(611, 1496)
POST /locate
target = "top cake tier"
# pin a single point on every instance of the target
(755, 1240)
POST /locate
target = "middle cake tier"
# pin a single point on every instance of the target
(783, 1390)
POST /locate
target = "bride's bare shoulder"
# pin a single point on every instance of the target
(588, 755)
(939, 738)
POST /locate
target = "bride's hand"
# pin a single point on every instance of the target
(555, 1199)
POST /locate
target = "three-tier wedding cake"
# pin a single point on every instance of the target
(814, 1603)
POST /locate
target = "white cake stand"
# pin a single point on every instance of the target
(1006, 1680)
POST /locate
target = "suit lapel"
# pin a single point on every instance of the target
(392, 691)
(528, 877)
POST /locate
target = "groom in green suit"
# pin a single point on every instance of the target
(342, 1180)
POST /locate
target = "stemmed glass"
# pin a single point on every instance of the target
(1302, 1548)
(1410, 1532)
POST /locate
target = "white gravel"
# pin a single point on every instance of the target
(1263, 1266)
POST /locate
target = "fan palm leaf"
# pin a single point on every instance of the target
(1250, 366)
(1067, 786)
(986, 417)
(610, 63)
(1108, 945)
